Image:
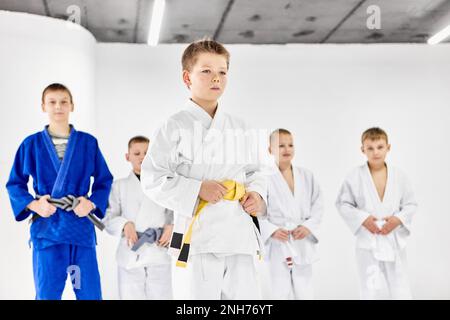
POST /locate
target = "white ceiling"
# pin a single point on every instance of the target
(252, 21)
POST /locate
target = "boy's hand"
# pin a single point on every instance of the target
(165, 236)
(129, 231)
(370, 224)
(281, 234)
(252, 203)
(300, 232)
(212, 191)
(84, 207)
(42, 207)
(392, 222)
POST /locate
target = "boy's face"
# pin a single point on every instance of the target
(136, 155)
(57, 105)
(208, 77)
(282, 148)
(375, 150)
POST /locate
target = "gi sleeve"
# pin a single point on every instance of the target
(347, 207)
(102, 184)
(267, 229)
(17, 185)
(408, 205)
(159, 179)
(114, 221)
(255, 172)
(317, 209)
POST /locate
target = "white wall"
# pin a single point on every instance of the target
(34, 52)
(326, 95)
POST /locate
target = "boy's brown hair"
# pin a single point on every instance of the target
(56, 87)
(278, 132)
(191, 53)
(138, 139)
(374, 133)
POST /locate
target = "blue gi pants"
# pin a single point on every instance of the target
(52, 264)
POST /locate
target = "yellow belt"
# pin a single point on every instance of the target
(235, 191)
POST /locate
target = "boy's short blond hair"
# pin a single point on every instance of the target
(277, 132)
(138, 139)
(374, 133)
(191, 53)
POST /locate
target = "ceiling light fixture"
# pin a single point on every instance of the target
(441, 35)
(155, 24)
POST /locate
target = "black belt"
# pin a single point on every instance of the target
(68, 203)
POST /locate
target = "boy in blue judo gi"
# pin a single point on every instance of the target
(61, 161)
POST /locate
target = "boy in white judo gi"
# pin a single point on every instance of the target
(294, 213)
(144, 270)
(377, 203)
(202, 166)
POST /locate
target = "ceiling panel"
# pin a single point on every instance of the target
(251, 21)
(401, 21)
(283, 21)
(186, 21)
(29, 6)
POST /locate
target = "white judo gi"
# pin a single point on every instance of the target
(191, 147)
(381, 259)
(145, 273)
(288, 211)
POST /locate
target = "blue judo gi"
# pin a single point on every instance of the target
(63, 243)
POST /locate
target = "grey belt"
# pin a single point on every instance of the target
(68, 203)
(150, 235)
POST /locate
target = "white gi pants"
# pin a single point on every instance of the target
(214, 277)
(382, 279)
(291, 284)
(146, 283)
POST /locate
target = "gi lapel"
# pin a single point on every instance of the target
(389, 202)
(389, 190)
(202, 122)
(288, 199)
(372, 189)
(211, 139)
(61, 168)
(300, 194)
(382, 207)
(51, 149)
